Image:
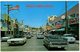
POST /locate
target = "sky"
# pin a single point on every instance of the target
(36, 16)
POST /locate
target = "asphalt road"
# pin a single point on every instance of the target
(34, 44)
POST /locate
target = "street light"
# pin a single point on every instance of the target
(8, 25)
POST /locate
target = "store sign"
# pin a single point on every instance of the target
(73, 21)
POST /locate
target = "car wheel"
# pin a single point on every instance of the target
(9, 44)
(63, 48)
(24, 42)
(43, 44)
(48, 47)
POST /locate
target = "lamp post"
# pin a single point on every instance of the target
(8, 6)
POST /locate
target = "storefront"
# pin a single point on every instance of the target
(74, 27)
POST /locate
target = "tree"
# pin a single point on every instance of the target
(6, 18)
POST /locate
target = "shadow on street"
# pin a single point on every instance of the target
(56, 49)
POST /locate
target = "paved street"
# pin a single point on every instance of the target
(33, 44)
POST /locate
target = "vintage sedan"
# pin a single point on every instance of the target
(40, 36)
(55, 41)
(17, 41)
(4, 39)
(69, 38)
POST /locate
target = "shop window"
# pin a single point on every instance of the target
(77, 15)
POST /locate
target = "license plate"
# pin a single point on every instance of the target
(12, 41)
(59, 46)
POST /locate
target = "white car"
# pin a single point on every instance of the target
(69, 38)
(40, 36)
(4, 39)
(17, 41)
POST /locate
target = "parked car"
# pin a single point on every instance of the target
(55, 41)
(40, 36)
(70, 38)
(17, 41)
(4, 39)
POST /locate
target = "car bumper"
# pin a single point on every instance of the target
(57, 46)
(71, 41)
(40, 37)
(16, 43)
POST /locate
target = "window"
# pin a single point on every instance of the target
(77, 15)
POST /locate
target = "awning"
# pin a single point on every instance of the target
(62, 29)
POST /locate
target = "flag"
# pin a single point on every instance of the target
(14, 8)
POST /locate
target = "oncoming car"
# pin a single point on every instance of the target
(40, 36)
(29, 36)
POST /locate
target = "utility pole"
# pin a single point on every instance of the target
(22, 27)
(66, 18)
(8, 6)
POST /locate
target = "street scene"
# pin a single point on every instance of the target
(39, 26)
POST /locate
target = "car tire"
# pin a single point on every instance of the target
(43, 44)
(62, 47)
(48, 47)
(24, 42)
(9, 44)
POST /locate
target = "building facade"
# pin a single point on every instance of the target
(73, 20)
